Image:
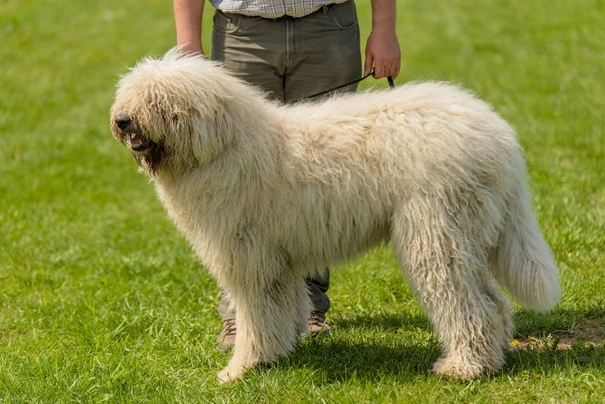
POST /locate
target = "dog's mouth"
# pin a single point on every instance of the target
(147, 153)
(137, 143)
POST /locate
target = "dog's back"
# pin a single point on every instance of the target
(351, 163)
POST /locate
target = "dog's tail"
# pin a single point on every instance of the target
(523, 262)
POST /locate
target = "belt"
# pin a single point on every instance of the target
(322, 9)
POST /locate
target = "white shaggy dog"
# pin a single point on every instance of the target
(268, 193)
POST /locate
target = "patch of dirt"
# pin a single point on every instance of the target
(590, 334)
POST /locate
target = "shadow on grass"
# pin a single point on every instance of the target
(369, 360)
(386, 321)
(374, 355)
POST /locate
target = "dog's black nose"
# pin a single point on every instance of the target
(123, 121)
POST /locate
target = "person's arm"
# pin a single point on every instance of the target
(382, 48)
(188, 21)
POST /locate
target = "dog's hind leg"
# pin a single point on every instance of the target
(449, 271)
(269, 321)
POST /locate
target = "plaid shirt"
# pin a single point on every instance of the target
(272, 8)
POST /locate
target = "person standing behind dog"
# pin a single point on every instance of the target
(292, 49)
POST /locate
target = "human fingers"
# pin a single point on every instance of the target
(369, 64)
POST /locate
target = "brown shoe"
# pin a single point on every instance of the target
(226, 338)
(318, 324)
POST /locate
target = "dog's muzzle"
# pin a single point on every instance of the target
(130, 134)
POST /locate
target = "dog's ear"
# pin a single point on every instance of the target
(200, 142)
(210, 134)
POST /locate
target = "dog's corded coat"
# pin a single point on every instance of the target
(267, 193)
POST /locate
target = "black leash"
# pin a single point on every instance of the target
(389, 80)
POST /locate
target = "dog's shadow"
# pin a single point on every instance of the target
(340, 358)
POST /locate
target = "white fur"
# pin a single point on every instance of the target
(267, 194)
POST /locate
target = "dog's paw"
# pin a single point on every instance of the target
(230, 374)
(452, 367)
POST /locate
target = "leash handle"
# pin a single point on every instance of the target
(391, 82)
(389, 79)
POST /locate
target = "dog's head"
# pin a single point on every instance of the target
(168, 112)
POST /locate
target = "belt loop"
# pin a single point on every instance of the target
(324, 8)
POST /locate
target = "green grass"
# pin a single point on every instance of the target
(102, 300)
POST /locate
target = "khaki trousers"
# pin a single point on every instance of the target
(291, 58)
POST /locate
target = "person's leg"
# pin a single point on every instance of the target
(320, 303)
(255, 49)
(251, 48)
(225, 308)
(318, 286)
(324, 51)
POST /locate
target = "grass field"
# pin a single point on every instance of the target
(101, 300)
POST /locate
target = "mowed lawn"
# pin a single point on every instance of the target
(102, 300)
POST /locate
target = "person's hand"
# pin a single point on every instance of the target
(382, 54)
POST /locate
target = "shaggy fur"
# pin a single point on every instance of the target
(268, 193)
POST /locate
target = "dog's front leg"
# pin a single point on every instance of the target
(270, 317)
